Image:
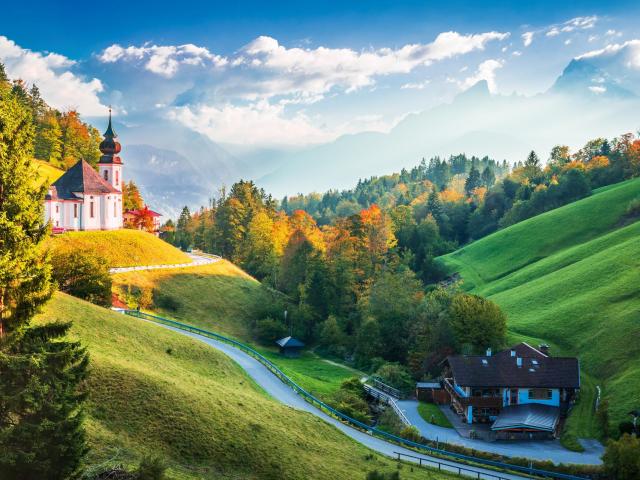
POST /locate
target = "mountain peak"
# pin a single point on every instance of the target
(477, 91)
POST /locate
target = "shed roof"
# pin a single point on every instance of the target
(81, 178)
(428, 385)
(532, 416)
(290, 342)
(537, 370)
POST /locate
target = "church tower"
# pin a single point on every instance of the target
(110, 165)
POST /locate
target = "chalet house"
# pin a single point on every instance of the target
(83, 199)
(522, 391)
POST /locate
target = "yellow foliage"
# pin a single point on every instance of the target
(450, 196)
(598, 162)
(573, 164)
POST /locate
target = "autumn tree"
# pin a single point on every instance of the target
(41, 433)
(131, 197)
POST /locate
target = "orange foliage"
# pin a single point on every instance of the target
(634, 156)
(573, 164)
(598, 162)
(450, 196)
(303, 223)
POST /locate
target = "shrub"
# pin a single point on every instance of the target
(390, 422)
(268, 330)
(633, 209)
(376, 475)
(151, 468)
(397, 376)
(145, 300)
(82, 274)
(622, 458)
(411, 433)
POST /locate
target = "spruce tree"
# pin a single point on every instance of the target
(41, 434)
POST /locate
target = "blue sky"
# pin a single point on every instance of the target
(264, 74)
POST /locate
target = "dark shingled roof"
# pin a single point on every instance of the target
(501, 370)
(80, 178)
(290, 342)
(530, 416)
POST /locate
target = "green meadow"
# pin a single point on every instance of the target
(156, 392)
(571, 277)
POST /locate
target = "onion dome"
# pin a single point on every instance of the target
(110, 147)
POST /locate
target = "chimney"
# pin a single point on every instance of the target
(489, 352)
(544, 348)
(519, 362)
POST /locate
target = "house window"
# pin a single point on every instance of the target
(540, 394)
(57, 208)
(91, 209)
(106, 175)
(75, 210)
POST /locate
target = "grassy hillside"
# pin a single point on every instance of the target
(571, 277)
(218, 296)
(47, 173)
(223, 298)
(121, 248)
(153, 391)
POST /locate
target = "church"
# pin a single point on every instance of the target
(83, 199)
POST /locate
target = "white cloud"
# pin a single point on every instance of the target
(486, 71)
(416, 86)
(164, 60)
(527, 38)
(553, 32)
(629, 53)
(613, 33)
(516, 53)
(260, 123)
(597, 89)
(305, 71)
(567, 41)
(60, 87)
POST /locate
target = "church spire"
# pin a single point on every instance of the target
(110, 147)
(110, 133)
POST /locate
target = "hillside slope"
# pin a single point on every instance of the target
(570, 277)
(46, 173)
(153, 391)
(121, 248)
(223, 298)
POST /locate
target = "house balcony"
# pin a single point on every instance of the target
(461, 402)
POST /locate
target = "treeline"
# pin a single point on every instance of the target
(61, 138)
(349, 286)
(364, 285)
(471, 197)
(404, 188)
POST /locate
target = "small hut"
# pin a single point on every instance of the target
(290, 347)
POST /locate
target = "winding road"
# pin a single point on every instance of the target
(282, 393)
(197, 260)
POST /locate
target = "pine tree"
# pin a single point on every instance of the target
(473, 181)
(41, 434)
(488, 177)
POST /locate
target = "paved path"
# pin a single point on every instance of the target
(197, 260)
(538, 450)
(279, 391)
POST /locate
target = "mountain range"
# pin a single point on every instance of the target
(595, 96)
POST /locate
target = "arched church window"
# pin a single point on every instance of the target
(117, 178)
(106, 175)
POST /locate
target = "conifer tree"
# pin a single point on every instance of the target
(41, 434)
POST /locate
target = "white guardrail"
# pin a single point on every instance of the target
(389, 400)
